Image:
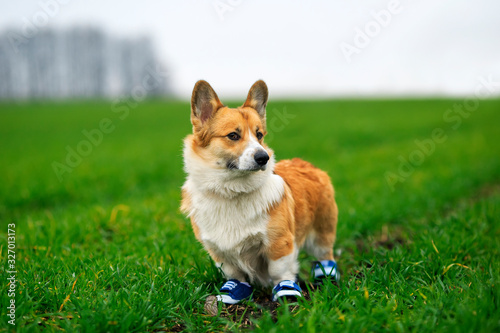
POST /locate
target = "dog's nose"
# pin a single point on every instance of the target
(261, 157)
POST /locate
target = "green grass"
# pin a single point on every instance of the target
(106, 248)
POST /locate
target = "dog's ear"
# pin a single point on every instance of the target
(257, 98)
(204, 103)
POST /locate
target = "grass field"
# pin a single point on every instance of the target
(102, 247)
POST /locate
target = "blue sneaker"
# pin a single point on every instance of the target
(325, 268)
(234, 291)
(286, 288)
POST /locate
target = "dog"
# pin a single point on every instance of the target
(251, 214)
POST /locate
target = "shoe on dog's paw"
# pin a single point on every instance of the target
(325, 269)
(234, 291)
(286, 289)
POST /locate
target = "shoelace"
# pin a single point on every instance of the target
(287, 284)
(230, 285)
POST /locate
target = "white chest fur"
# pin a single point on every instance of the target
(230, 208)
(227, 222)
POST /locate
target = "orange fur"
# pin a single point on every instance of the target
(314, 203)
(281, 228)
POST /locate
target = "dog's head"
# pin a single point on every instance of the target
(229, 138)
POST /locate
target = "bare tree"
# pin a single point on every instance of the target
(79, 62)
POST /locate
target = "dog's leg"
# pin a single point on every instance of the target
(320, 246)
(320, 241)
(284, 268)
(231, 271)
(283, 272)
(282, 253)
(236, 289)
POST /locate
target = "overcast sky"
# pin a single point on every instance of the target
(300, 48)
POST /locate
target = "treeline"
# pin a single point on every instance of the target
(78, 62)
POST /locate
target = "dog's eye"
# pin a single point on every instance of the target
(233, 136)
(259, 135)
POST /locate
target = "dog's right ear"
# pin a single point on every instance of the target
(204, 103)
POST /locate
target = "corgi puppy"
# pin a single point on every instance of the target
(251, 214)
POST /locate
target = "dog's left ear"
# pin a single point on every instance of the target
(257, 98)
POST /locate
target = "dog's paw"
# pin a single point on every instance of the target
(287, 289)
(234, 291)
(325, 269)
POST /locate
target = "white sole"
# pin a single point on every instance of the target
(226, 299)
(283, 293)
